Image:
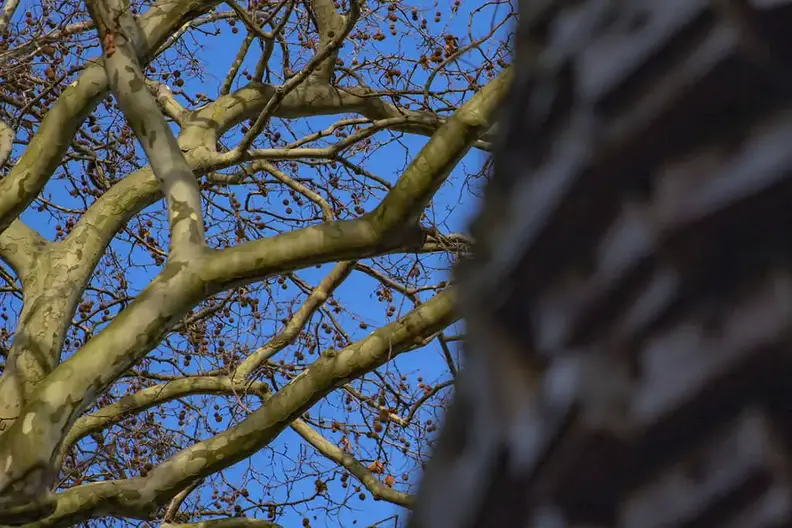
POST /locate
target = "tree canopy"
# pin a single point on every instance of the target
(222, 226)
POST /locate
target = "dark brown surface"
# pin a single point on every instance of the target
(634, 251)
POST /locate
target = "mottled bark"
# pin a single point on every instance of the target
(121, 36)
(42, 399)
(56, 131)
(74, 384)
(64, 268)
(142, 497)
(7, 135)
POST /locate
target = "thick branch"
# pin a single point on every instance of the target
(7, 136)
(329, 23)
(33, 441)
(20, 246)
(56, 131)
(440, 155)
(120, 33)
(291, 84)
(308, 99)
(330, 371)
(166, 101)
(136, 330)
(159, 394)
(201, 130)
(141, 497)
(153, 396)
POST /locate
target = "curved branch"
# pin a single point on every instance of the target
(332, 151)
(56, 131)
(166, 101)
(436, 160)
(153, 396)
(121, 35)
(327, 211)
(159, 394)
(328, 24)
(33, 441)
(20, 247)
(298, 321)
(7, 136)
(344, 459)
(142, 497)
(280, 93)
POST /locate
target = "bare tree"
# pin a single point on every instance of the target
(150, 347)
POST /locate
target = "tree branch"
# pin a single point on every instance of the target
(328, 24)
(346, 460)
(32, 443)
(20, 247)
(166, 101)
(280, 93)
(298, 321)
(120, 35)
(142, 497)
(56, 131)
(327, 211)
(159, 394)
(153, 396)
(7, 136)
(429, 169)
(176, 502)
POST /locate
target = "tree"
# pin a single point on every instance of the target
(154, 351)
(631, 366)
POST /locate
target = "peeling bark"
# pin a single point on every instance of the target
(53, 137)
(43, 400)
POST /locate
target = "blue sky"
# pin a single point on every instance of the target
(452, 207)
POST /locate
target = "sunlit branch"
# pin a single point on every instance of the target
(56, 131)
(9, 8)
(166, 101)
(238, 60)
(7, 136)
(346, 460)
(142, 497)
(119, 31)
(20, 247)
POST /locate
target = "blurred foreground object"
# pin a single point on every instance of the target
(630, 301)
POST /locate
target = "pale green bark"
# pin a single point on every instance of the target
(7, 135)
(118, 27)
(56, 131)
(64, 268)
(42, 399)
(141, 497)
